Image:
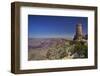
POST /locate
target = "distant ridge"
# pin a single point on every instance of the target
(50, 38)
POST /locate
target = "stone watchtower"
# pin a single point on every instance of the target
(79, 35)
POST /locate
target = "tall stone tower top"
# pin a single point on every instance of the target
(79, 35)
(79, 29)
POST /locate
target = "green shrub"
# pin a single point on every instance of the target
(81, 49)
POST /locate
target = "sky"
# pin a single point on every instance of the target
(41, 26)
